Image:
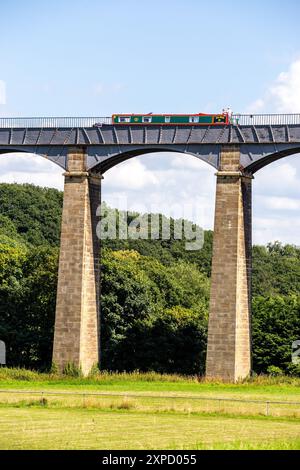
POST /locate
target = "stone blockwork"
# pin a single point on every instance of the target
(229, 342)
(76, 338)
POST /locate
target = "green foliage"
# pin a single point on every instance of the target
(35, 212)
(177, 341)
(71, 370)
(293, 369)
(274, 371)
(28, 280)
(95, 370)
(275, 325)
(54, 368)
(8, 230)
(155, 294)
(276, 270)
(12, 256)
(139, 331)
(14, 378)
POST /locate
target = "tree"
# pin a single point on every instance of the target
(154, 317)
(34, 211)
(275, 325)
(27, 304)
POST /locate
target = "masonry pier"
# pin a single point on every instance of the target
(229, 341)
(76, 338)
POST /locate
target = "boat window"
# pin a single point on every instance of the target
(147, 119)
(194, 118)
(124, 118)
(167, 118)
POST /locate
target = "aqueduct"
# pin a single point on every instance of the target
(86, 152)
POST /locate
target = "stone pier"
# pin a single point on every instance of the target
(229, 342)
(76, 337)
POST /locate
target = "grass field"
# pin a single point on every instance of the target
(140, 411)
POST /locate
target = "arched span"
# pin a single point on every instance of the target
(271, 158)
(253, 158)
(101, 160)
(55, 155)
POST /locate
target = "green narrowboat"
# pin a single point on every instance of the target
(171, 119)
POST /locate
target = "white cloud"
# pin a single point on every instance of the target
(99, 88)
(2, 92)
(256, 107)
(286, 90)
(116, 87)
(41, 179)
(281, 176)
(30, 168)
(131, 175)
(283, 95)
(104, 88)
(276, 202)
(270, 229)
(281, 203)
(175, 185)
(185, 162)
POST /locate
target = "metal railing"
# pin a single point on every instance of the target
(265, 119)
(74, 122)
(52, 122)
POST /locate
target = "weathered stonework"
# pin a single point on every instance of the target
(76, 338)
(229, 342)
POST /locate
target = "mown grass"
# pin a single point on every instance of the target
(277, 444)
(150, 404)
(38, 419)
(42, 428)
(154, 403)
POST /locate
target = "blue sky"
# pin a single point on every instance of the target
(99, 57)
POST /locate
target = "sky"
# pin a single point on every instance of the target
(96, 58)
